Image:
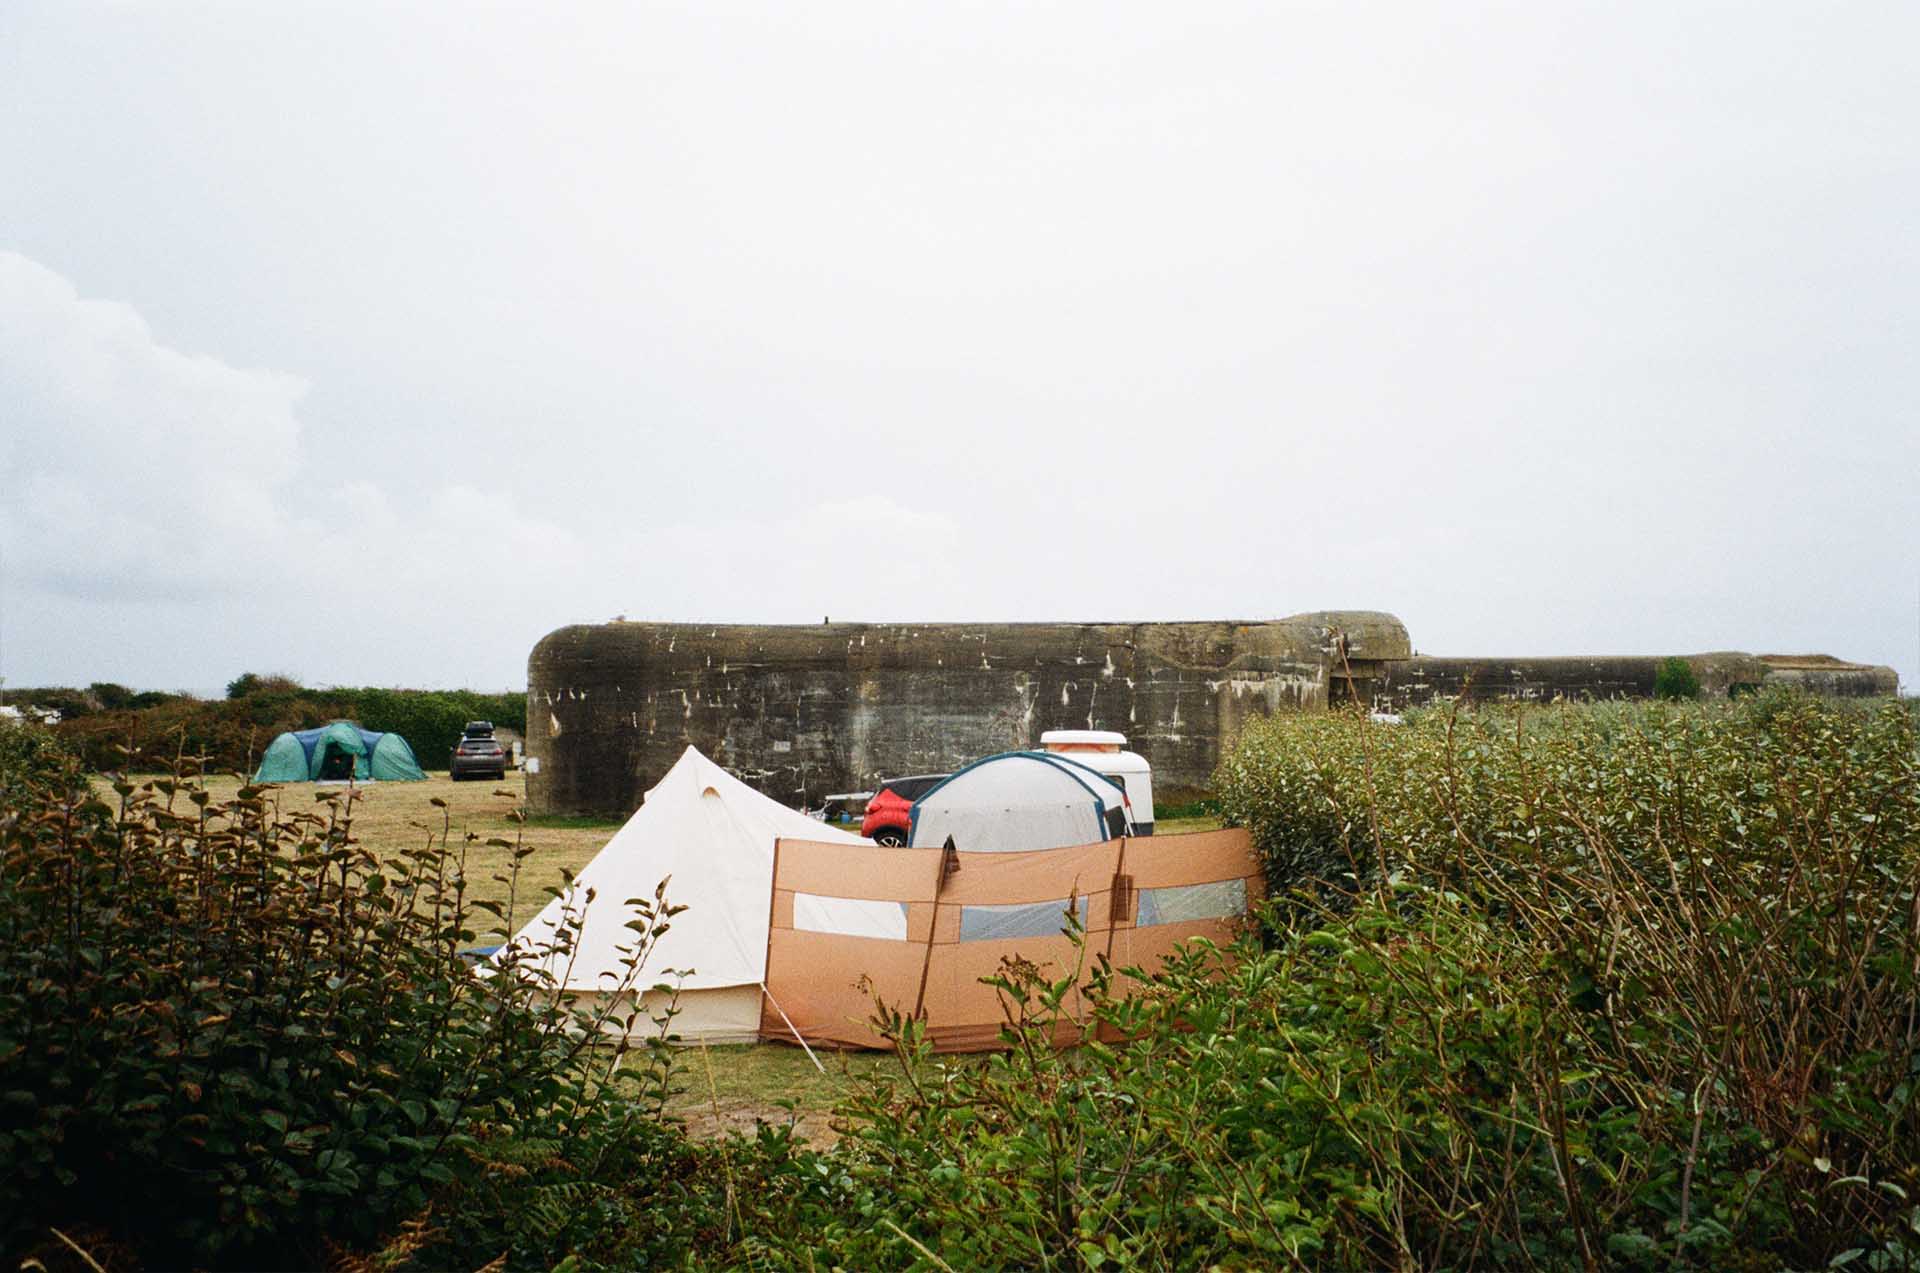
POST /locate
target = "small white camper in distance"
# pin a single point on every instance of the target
(1105, 752)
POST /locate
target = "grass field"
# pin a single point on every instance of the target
(730, 1088)
(723, 1087)
(390, 816)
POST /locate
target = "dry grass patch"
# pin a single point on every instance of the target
(389, 817)
(731, 1088)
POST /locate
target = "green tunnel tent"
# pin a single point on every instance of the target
(338, 751)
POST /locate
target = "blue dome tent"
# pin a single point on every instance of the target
(1021, 800)
(338, 751)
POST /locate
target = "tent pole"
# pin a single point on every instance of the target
(1120, 896)
(949, 863)
(796, 1034)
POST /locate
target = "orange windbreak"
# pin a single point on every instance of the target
(1139, 898)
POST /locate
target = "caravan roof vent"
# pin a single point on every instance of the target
(1070, 740)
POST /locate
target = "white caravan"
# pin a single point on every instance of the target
(1105, 752)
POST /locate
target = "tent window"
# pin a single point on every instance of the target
(1183, 902)
(1022, 919)
(1116, 823)
(849, 916)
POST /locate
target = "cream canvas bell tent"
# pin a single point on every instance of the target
(711, 837)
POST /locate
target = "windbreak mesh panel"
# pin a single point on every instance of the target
(814, 913)
(1022, 919)
(1182, 902)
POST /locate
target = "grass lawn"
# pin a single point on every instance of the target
(723, 1087)
(390, 816)
(729, 1088)
(1185, 826)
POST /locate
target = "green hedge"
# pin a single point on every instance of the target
(1657, 964)
(431, 720)
(232, 733)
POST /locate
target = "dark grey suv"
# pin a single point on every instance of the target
(478, 757)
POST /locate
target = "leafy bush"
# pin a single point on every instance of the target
(627, 1190)
(111, 697)
(71, 703)
(229, 735)
(30, 754)
(1674, 678)
(1131, 1156)
(248, 684)
(1623, 986)
(231, 1035)
(1696, 933)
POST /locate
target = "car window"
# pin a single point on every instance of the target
(914, 788)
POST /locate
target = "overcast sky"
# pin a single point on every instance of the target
(369, 343)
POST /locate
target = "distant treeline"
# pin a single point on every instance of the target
(232, 732)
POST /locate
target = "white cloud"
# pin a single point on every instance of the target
(130, 465)
(155, 493)
(141, 476)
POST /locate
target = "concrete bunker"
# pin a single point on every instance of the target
(798, 711)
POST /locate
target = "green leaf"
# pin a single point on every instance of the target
(1632, 1244)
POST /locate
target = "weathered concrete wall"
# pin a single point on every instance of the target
(1824, 674)
(1411, 682)
(801, 712)
(804, 711)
